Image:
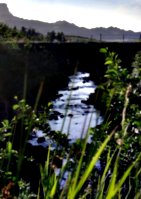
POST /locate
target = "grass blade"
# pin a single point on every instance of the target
(100, 189)
(112, 184)
(91, 165)
(125, 175)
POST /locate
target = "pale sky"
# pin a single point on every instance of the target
(124, 14)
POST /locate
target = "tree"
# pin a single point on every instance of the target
(14, 32)
(4, 30)
(51, 36)
(60, 37)
(23, 31)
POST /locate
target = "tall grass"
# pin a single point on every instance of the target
(84, 181)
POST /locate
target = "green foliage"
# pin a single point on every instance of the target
(77, 186)
(53, 37)
(115, 143)
(13, 34)
(121, 96)
(48, 179)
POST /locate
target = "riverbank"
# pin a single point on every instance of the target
(26, 168)
(53, 63)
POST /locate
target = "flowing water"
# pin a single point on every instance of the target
(74, 116)
(70, 114)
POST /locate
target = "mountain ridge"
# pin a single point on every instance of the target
(63, 26)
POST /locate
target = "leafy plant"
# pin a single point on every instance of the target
(115, 143)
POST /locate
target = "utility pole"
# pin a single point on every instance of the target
(123, 37)
(100, 37)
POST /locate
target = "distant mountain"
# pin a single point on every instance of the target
(101, 33)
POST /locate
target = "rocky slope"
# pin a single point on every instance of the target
(110, 33)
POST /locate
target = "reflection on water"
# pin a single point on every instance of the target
(74, 113)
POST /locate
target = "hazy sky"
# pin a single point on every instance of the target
(125, 14)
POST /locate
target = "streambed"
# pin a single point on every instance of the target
(73, 116)
(69, 113)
